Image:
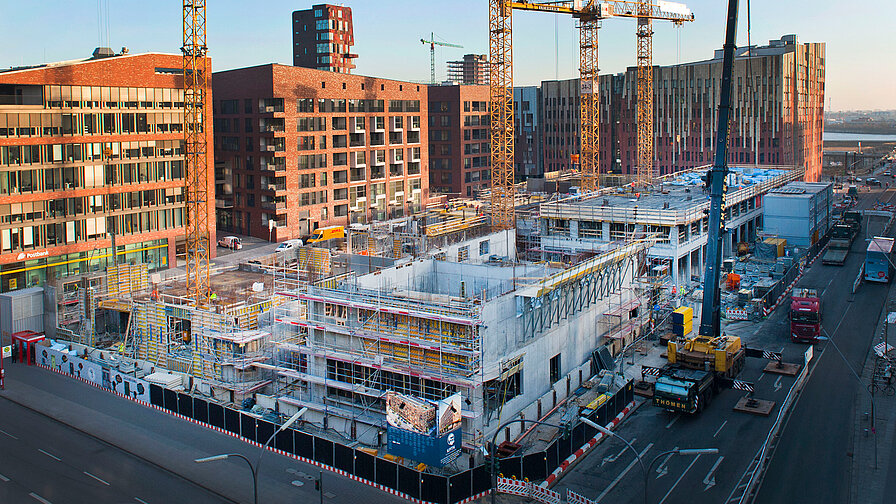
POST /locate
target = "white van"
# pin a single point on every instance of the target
(289, 245)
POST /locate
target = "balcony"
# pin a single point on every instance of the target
(277, 188)
(273, 167)
(396, 170)
(358, 161)
(377, 172)
(396, 124)
(274, 205)
(414, 125)
(379, 160)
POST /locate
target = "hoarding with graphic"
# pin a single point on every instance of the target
(422, 430)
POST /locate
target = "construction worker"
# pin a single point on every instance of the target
(213, 296)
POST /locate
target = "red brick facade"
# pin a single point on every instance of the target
(459, 140)
(105, 138)
(322, 38)
(309, 148)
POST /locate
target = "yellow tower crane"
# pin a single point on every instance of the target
(196, 152)
(589, 13)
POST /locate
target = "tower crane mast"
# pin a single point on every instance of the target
(590, 13)
(195, 66)
(432, 54)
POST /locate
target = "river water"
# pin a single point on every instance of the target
(857, 137)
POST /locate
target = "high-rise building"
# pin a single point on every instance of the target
(527, 156)
(777, 117)
(473, 69)
(307, 148)
(459, 140)
(91, 165)
(322, 38)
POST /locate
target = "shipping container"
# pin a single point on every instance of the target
(799, 212)
(21, 310)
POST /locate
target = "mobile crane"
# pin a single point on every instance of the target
(703, 365)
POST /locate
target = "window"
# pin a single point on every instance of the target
(463, 253)
(483, 247)
(555, 368)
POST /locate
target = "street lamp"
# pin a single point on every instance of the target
(494, 455)
(646, 469)
(255, 468)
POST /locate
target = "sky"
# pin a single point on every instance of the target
(861, 45)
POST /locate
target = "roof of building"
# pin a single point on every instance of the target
(798, 189)
(102, 55)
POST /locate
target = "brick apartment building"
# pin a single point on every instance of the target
(91, 156)
(459, 140)
(322, 38)
(778, 115)
(308, 148)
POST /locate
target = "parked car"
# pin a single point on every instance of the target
(231, 242)
(873, 182)
(289, 245)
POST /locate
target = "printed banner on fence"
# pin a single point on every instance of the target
(424, 431)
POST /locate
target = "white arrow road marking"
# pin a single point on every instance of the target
(679, 478)
(720, 428)
(778, 383)
(612, 458)
(664, 465)
(673, 421)
(622, 474)
(710, 479)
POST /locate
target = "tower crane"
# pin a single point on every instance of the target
(432, 54)
(590, 13)
(195, 65)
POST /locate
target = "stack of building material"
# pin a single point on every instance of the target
(683, 321)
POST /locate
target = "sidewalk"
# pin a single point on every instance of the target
(870, 485)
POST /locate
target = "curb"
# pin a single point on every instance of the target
(259, 445)
(570, 461)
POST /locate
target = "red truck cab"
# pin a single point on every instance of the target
(805, 315)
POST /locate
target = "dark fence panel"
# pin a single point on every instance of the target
(534, 466)
(365, 465)
(344, 458)
(409, 481)
(170, 400)
(565, 447)
(247, 427)
(511, 467)
(552, 454)
(283, 441)
(603, 414)
(323, 451)
(578, 436)
(460, 486)
(216, 415)
(482, 479)
(200, 410)
(387, 473)
(156, 398)
(185, 405)
(264, 430)
(232, 421)
(304, 444)
(434, 488)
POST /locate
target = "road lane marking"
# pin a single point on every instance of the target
(141, 501)
(720, 428)
(760, 377)
(664, 465)
(4, 478)
(50, 455)
(38, 498)
(710, 479)
(826, 287)
(673, 421)
(612, 458)
(97, 478)
(8, 434)
(679, 478)
(623, 473)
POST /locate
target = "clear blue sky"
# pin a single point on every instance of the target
(861, 45)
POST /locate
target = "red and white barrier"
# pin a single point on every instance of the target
(574, 498)
(554, 476)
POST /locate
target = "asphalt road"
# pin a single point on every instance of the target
(826, 404)
(611, 474)
(44, 460)
(140, 452)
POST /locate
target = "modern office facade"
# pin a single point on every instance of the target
(528, 160)
(322, 38)
(472, 69)
(91, 165)
(459, 140)
(307, 148)
(778, 112)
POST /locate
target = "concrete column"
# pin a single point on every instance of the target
(574, 229)
(605, 231)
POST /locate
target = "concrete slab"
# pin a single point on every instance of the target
(754, 406)
(784, 368)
